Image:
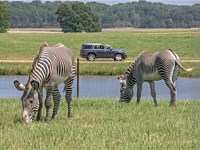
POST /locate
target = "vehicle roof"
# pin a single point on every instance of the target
(95, 44)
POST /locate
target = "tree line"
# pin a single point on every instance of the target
(140, 14)
(4, 17)
(144, 14)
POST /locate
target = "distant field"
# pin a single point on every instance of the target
(104, 124)
(24, 44)
(59, 30)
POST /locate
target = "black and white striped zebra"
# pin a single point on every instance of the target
(149, 67)
(52, 66)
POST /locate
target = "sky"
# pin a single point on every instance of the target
(110, 2)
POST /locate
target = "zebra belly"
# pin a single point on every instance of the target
(56, 80)
(152, 76)
(60, 79)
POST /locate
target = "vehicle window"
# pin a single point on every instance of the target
(96, 47)
(101, 47)
(87, 46)
(107, 47)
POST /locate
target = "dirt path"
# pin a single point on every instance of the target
(85, 61)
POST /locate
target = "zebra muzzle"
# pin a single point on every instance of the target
(25, 117)
(123, 101)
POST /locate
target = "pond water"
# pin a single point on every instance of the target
(108, 87)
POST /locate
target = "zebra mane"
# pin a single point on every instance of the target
(58, 45)
(131, 66)
(128, 70)
(38, 55)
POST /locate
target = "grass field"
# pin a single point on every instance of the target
(104, 124)
(26, 45)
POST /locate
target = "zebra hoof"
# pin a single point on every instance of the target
(69, 116)
(39, 119)
(54, 117)
(172, 105)
(47, 119)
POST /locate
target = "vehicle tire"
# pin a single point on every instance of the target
(118, 57)
(91, 57)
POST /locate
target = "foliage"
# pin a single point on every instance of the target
(144, 14)
(104, 124)
(34, 14)
(77, 17)
(4, 17)
(134, 14)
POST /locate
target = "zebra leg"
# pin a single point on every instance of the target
(48, 103)
(68, 96)
(139, 91)
(40, 95)
(56, 99)
(153, 92)
(172, 87)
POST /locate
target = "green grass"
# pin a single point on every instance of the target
(92, 68)
(104, 124)
(26, 46)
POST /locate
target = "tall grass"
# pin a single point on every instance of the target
(93, 68)
(104, 124)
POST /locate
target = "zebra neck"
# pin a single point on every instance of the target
(31, 78)
(41, 71)
(131, 80)
(129, 69)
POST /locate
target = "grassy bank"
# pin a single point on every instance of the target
(104, 124)
(92, 68)
(26, 45)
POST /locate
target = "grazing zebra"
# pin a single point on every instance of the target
(52, 66)
(149, 67)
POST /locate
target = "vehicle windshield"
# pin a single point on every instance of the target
(108, 47)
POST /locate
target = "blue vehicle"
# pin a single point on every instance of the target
(96, 50)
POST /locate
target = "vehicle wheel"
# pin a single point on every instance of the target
(91, 57)
(118, 57)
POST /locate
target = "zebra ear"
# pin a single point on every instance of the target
(122, 79)
(118, 77)
(35, 85)
(19, 86)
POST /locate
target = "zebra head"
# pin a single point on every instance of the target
(30, 100)
(126, 92)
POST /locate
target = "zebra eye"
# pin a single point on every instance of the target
(31, 101)
(122, 90)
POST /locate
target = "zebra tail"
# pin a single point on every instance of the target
(178, 62)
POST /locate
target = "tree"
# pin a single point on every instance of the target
(4, 17)
(77, 17)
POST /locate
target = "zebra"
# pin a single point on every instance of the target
(52, 66)
(149, 67)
